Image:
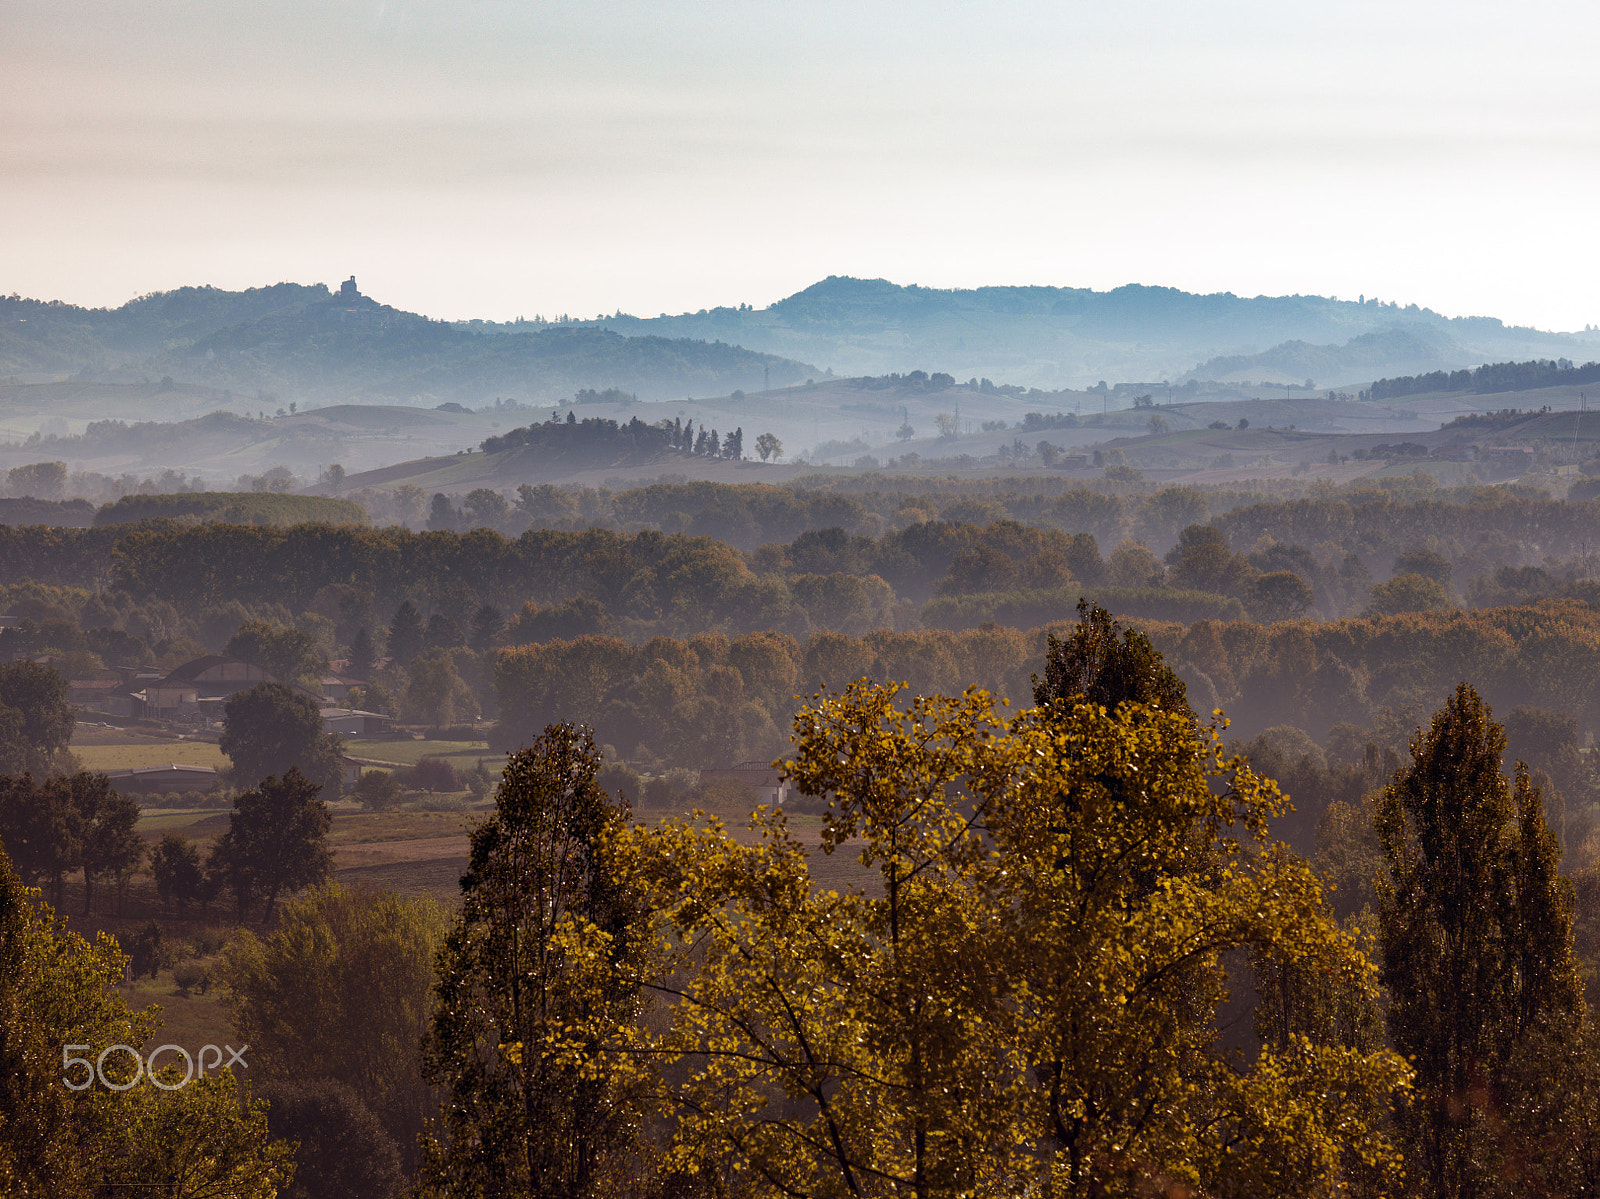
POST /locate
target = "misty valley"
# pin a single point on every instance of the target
(893, 742)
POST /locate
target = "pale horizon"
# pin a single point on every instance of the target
(505, 160)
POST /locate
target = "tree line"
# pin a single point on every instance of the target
(605, 441)
(1479, 530)
(1489, 378)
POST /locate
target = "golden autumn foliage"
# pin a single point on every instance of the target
(1021, 1002)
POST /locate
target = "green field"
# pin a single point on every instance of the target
(148, 753)
(461, 754)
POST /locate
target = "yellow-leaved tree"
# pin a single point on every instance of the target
(1020, 997)
(65, 1136)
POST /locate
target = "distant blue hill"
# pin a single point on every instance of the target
(1052, 337)
(337, 346)
(316, 344)
(1413, 348)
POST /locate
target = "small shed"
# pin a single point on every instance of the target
(760, 777)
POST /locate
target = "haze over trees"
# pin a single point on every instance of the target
(1093, 940)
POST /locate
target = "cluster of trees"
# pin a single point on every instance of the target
(910, 381)
(1384, 670)
(1489, 378)
(275, 844)
(1029, 993)
(26, 510)
(68, 822)
(594, 439)
(606, 442)
(233, 507)
(715, 700)
(711, 699)
(1478, 530)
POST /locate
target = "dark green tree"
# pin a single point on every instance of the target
(1475, 939)
(437, 695)
(1549, 741)
(442, 514)
(443, 633)
(42, 831)
(277, 841)
(1108, 665)
(405, 633)
(530, 1121)
(363, 653)
(488, 623)
(36, 720)
(342, 989)
(378, 790)
(1280, 595)
(289, 655)
(486, 508)
(175, 864)
(112, 846)
(271, 728)
(341, 1149)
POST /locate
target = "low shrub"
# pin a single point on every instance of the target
(455, 732)
(192, 975)
(441, 803)
(432, 774)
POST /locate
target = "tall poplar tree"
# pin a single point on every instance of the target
(1475, 933)
(524, 1111)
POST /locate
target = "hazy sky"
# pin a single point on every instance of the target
(488, 158)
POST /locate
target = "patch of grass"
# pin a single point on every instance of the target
(190, 1021)
(168, 821)
(365, 828)
(132, 756)
(409, 753)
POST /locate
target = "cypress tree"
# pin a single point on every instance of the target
(405, 633)
(1475, 936)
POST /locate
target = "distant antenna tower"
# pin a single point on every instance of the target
(766, 378)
